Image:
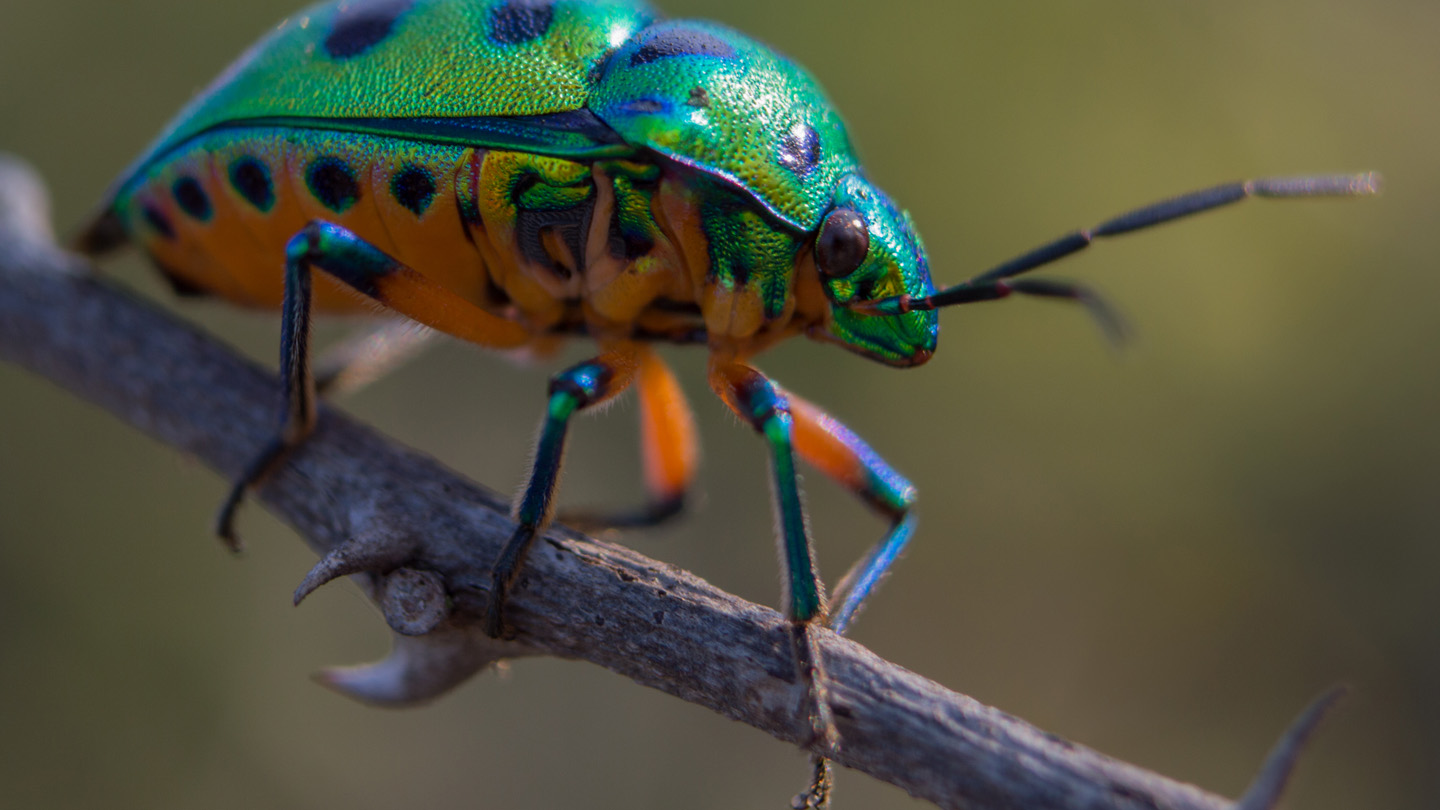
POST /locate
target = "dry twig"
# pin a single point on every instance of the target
(423, 539)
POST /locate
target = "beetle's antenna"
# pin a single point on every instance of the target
(995, 283)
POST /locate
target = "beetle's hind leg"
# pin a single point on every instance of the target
(348, 258)
(346, 367)
(297, 421)
(669, 451)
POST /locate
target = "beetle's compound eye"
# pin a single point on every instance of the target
(843, 243)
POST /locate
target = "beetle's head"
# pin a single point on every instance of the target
(866, 250)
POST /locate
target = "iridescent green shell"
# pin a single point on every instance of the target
(373, 65)
(714, 99)
(542, 75)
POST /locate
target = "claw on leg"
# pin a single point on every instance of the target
(815, 705)
(817, 796)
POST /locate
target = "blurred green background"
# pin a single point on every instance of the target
(1163, 553)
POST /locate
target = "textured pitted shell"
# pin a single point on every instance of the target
(712, 98)
(408, 59)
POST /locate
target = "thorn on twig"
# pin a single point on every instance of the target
(421, 668)
(373, 551)
(1265, 792)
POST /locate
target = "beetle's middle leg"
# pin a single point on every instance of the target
(340, 253)
(579, 387)
(826, 444)
(669, 451)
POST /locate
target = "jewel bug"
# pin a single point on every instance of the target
(518, 173)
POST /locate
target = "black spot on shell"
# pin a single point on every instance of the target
(251, 177)
(191, 198)
(333, 183)
(644, 106)
(414, 188)
(157, 220)
(360, 26)
(519, 21)
(680, 42)
(800, 150)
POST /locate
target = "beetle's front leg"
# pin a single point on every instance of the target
(827, 445)
(832, 448)
(577, 388)
(765, 407)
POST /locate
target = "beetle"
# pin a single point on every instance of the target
(518, 173)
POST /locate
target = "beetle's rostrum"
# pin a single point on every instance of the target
(517, 173)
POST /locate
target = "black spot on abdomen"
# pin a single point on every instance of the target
(800, 150)
(414, 188)
(360, 26)
(333, 183)
(251, 178)
(519, 21)
(156, 219)
(192, 199)
(671, 42)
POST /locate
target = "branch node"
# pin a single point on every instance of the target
(414, 602)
